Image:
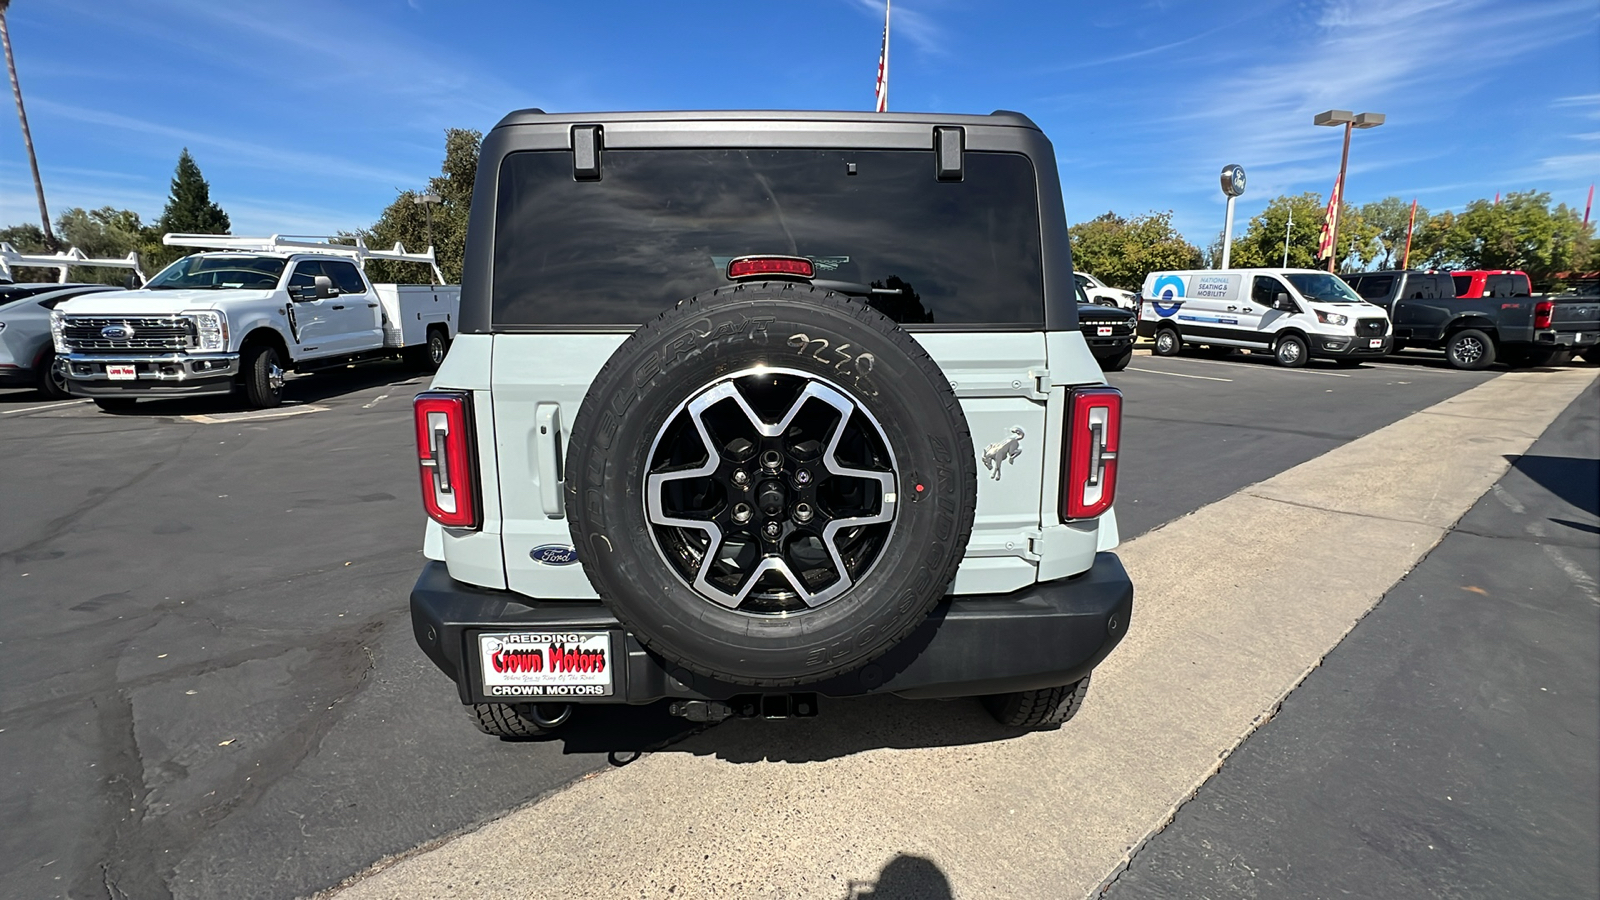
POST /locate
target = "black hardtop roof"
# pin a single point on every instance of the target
(999, 117)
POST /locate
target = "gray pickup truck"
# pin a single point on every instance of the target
(1517, 328)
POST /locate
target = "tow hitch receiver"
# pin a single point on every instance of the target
(747, 706)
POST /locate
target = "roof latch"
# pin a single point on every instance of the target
(949, 143)
(586, 143)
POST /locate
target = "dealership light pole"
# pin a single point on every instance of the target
(428, 201)
(1232, 187)
(1349, 120)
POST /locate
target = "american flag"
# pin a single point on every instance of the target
(1329, 222)
(883, 64)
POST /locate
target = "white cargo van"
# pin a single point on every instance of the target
(1297, 314)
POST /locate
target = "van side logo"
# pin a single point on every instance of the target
(554, 554)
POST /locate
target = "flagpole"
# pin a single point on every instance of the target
(881, 89)
(1405, 263)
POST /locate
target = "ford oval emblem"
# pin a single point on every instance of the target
(116, 332)
(554, 555)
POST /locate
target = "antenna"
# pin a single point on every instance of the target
(314, 243)
(61, 262)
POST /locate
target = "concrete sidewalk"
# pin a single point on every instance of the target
(1235, 604)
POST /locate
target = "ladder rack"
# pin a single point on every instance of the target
(304, 243)
(10, 258)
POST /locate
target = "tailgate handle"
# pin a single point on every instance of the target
(552, 465)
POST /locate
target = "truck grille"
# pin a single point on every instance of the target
(1371, 327)
(1120, 324)
(88, 335)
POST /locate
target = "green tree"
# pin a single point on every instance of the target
(1520, 232)
(1299, 217)
(1391, 216)
(189, 210)
(106, 232)
(406, 221)
(1121, 252)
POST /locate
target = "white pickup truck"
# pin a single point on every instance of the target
(240, 317)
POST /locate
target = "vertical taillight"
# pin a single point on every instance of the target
(1543, 312)
(444, 452)
(1093, 436)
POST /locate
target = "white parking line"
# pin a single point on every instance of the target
(1178, 374)
(43, 406)
(1259, 368)
(375, 401)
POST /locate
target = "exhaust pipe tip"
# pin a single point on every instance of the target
(551, 715)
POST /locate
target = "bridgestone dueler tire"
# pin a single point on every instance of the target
(821, 334)
(1043, 708)
(507, 720)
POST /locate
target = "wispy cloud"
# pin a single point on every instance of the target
(908, 23)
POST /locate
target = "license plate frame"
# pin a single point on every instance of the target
(1102, 331)
(544, 664)
(122, 372)
(1374, 343)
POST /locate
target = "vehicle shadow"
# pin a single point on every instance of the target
(1575, 481)
(314, 388)
(842, 727)
(23, 395)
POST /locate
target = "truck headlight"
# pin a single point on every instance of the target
(211, 330)
(1328, 318)
(58, 326)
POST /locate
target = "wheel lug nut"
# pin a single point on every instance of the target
(741, 513)
(802, 477)
(772, 529)
(802, 513)
(740, 477)
(771, 460)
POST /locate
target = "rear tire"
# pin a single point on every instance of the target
(430, 355)
(52, 380)
(1043, 708)
(1116, 363)
(1168, 343)
(263, 376)
(517, 720)
(1470, 349)
(1290, 351)
(115, 404)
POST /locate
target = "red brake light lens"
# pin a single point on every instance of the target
(1543, 312)
(444, 454)
(1093, 438)
(756, 266)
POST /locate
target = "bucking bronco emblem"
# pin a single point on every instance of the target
(997, 454)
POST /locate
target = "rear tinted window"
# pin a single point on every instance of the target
(1374, 287)
(1463, 284)
(661, 225)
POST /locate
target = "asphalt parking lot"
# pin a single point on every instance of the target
(209, 686)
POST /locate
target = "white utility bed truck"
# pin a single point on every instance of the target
(239, 317)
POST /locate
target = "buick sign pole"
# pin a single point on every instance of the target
(1232, 186)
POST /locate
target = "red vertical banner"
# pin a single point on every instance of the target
(1405, 263)
(1587, 204)
(1325, 248)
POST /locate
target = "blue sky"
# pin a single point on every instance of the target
(308, 116)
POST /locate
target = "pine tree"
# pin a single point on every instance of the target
(189, 209)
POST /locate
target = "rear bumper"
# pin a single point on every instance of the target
(1569, 340)
(1050, 634)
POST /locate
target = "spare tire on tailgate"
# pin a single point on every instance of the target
(770, 484)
